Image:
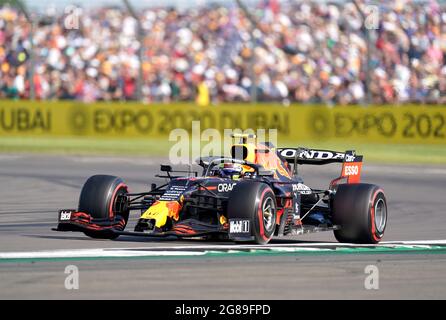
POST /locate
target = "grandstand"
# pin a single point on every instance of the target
(308, 52)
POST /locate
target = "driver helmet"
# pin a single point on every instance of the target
(231, 171)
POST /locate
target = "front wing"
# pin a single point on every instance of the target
(72, 220)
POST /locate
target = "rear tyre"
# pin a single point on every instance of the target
(361, 212)
(99, 199)
(254, 201)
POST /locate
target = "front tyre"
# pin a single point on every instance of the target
(361, 212)
(99, 198)
(255, 202)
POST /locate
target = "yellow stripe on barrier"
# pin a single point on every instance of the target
(380, 124)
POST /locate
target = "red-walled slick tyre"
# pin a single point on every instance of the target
(361, 212)
(99, 199)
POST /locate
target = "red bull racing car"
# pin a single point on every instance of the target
(250, 196)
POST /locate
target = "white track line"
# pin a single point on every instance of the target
(298, 244)
(202, 250)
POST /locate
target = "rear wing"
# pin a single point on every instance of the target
(351, 163)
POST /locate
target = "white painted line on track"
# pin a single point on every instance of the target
(415, 242)
(297, 244)
(203, 250)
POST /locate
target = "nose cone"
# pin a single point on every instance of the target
(161, 210)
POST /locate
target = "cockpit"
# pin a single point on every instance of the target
(246, 160)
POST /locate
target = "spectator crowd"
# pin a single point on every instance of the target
(297, 51)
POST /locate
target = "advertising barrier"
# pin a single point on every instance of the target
(374, 124)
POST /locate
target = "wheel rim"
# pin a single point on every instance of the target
(119, 205)
(380, 215)
(268, 209)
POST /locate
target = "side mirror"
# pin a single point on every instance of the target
(166, 168)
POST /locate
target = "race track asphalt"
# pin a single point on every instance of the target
(34, 187)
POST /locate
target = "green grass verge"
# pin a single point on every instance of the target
(88, 146)
(385, 153)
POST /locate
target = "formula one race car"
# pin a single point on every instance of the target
(252, 195)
